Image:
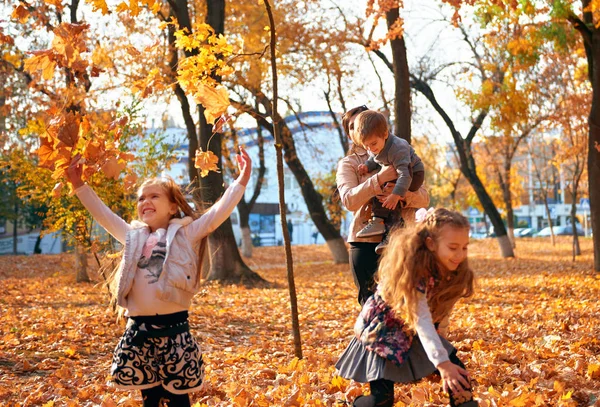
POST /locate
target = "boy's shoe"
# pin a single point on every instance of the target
(382, 245)
(374, 227)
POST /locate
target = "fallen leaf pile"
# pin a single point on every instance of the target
(529, 337)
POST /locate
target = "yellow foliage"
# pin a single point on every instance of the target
(196, 73)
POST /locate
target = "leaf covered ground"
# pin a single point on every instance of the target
(530, 336)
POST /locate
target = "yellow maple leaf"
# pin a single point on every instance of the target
(593, 371)
(205, 162)
(99, 5)
(20, 13)
(214, 100)
(42, 61)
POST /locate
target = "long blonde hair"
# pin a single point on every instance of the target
(176, 195)
(408, 266)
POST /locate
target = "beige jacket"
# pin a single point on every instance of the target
(179, 280)
(356, 192)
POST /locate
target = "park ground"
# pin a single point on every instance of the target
(529, 336)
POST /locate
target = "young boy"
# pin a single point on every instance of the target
(371, 132)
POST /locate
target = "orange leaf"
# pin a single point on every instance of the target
(214, 100)
(205, 162)
(20, 13)
(46, 153)
(41, 61)
(112, 168)
(130, 180)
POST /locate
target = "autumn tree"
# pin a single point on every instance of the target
(552, 19)
(570, 118)
(250, 82)
(540, 150)
(584, 18)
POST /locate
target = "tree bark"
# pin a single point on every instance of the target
(282, 207)
(594, 151)
(313, 200)
(245, 208)
(402, 111)
(468, 166)
(576, 247)
(81, 264)
(226, 264)
(591, 40)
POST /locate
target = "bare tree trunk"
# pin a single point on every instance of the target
(336, 123)
(312, 198)
(591, 40)
(282, 207)
(245, 208)
(549, 215)
(81, 264)
(15, 222)
(247, 245)
(402, 111)
(225, 261)
(468, 166)
(576, 247)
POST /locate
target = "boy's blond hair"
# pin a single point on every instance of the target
(368, 124)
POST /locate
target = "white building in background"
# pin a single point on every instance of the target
(319, 148)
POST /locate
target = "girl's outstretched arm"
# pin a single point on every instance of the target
(452, 375)
(221, 210)
(100, 212)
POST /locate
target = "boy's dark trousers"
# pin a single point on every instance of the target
(382, 393)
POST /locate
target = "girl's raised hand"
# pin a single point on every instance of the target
(74, 172)
(245, 165)
(454, 377)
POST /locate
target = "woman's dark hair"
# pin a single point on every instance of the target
(349, 115)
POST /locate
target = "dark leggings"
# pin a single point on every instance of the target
(363, 263)
(382, 393)
(152, 398)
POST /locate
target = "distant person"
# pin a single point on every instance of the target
(371, 132)
(356, 192)
(156, 281)
(315, 235)
(290, 227)
(399, 332)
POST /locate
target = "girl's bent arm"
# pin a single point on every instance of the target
(429, 337)
(102, 213)
(217, 213)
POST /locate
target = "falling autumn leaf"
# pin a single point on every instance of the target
(205, 162)
(214, 100)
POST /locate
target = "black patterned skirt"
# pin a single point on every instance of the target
(158, 350)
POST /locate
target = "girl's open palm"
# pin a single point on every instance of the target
(245, 165)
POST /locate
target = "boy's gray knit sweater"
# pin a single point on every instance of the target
(400, 155)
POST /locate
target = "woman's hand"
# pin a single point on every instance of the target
(245, 166)
(74, 171)
(454, 377)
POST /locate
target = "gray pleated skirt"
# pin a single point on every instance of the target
(361, 365)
